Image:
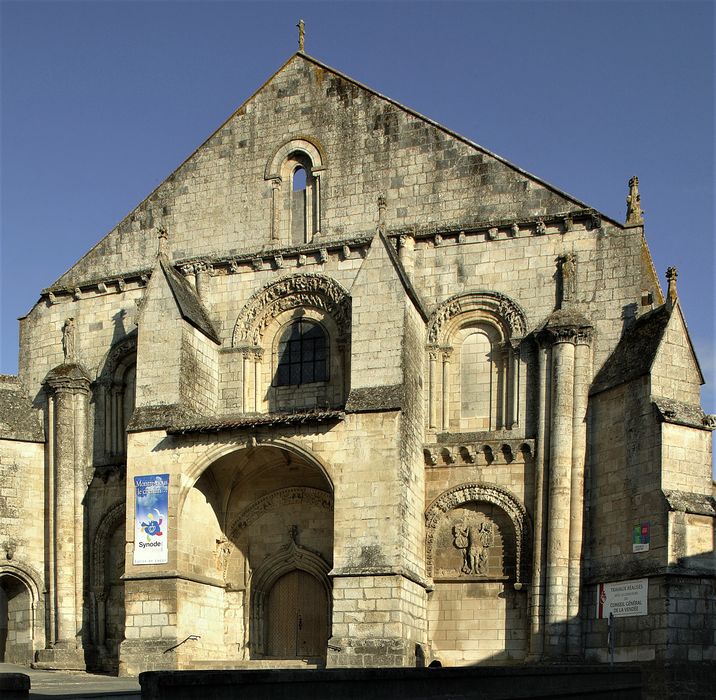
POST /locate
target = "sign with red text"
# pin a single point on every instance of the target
(623, 598)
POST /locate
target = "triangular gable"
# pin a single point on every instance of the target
(184, 296)
(449, 132)
(639, 348)
(129, 246)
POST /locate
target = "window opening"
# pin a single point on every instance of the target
(302, 355)
(299, 179)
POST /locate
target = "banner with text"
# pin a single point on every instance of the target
(623, 598)
(151, 506)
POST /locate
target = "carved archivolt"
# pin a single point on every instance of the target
(277, 500)
(473, 492)
(504, 312)
(117, 355)
(303, 290)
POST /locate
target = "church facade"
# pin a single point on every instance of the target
(349, 389)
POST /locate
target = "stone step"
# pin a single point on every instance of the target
(208, 664)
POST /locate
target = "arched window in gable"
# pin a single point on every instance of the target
(474, 363)
(295, 174)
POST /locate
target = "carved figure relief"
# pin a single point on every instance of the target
(475, 540)
(476, 530)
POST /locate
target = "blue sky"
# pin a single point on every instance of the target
(102, 100)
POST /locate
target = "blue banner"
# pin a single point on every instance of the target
(151, 507)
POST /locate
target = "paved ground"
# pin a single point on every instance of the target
(47, 685)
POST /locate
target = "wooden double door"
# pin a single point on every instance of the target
(297, 617)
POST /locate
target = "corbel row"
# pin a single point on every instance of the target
(484, 453)
(95, 288)
(490, 231)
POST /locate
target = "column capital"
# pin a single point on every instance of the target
(69, 378)
(566, 326)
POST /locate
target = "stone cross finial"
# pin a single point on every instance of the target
(634, 215)
(671, 274)
(163, 237)
(301, 34)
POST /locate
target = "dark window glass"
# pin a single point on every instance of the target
(302, 355)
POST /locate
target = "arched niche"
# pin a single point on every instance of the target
(473, 356)
(21, 613)
(474, 493)
(106, 585)
(115, 395)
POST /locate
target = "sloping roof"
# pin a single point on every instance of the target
(679, 413)
(19, 420)
(635, 352)
(190, 306)
(689, 502)
(375, 398)
(256, 420)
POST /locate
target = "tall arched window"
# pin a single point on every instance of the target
(301, 205)
(294, 172)
(302, 354)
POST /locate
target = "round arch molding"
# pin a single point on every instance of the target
(302, 144)
(205, 460)
(504, 313)
(112, 519)
(302, 290)
(486, 493)
(32, 582)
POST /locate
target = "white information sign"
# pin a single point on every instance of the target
(623, 598)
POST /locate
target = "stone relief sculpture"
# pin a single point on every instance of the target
(475, 540)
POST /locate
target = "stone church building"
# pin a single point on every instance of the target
(349, 389)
